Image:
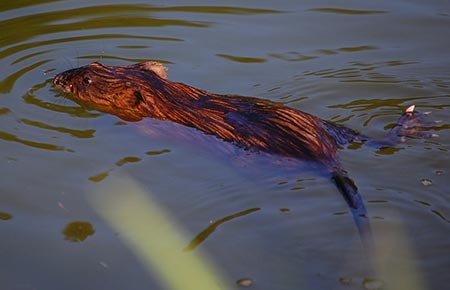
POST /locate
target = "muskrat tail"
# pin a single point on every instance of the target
(349, 191)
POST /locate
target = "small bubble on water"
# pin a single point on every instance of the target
(245, 282)
(426, 182)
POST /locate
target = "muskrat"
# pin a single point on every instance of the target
(142, 90)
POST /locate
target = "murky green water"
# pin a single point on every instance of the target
(356, 63)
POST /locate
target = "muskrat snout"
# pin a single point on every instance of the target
(61, 82)
(58, 80)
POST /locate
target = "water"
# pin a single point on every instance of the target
(352, 62)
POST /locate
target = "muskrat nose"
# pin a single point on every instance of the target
(60, 81)
(57, 80)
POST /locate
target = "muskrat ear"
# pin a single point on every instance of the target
(96, 64)
(156, 67)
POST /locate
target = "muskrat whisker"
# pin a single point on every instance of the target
(68, 62)
(51, 72)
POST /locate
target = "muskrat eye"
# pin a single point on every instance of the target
(87, 80)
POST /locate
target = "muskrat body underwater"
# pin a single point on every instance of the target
(142, 90)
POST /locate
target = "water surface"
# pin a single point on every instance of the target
(356, 63)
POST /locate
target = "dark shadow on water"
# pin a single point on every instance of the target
(203, 235)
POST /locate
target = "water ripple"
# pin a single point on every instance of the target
(84, 134)
(357, 65)
(347, 11)
(45, 43)
(7, 83)
(39, 145)
(242, 59)
(74, 110)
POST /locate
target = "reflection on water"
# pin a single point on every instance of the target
(5, 136)
(7, 83)
(292, 56)
(78, 231)
(357, 64)
(99, 177)
(89, 133)
(367, 73)
(242, 59)
(5, 216)
(110, 16)
(440, 215)
(70, 108)
(4, 111)
(157, 152)
(387, 107)
(347, 11)
(203, 235)
(129, 159)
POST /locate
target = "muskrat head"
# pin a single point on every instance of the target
(113, 89)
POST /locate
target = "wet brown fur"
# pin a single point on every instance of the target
(141, 90)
